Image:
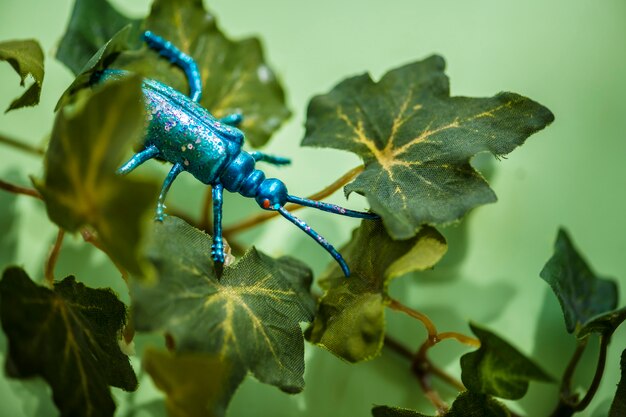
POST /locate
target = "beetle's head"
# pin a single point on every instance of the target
(272, 194)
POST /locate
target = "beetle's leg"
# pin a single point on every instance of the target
(318, 238)
(176, 169)
(179, 58)
(270, 159)
(331, 208)
(138, 159)
(217, 248)
(234, 119)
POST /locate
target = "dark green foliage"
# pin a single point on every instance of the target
(80, 187)
(417, 141)
(92, 24)
(582, 294)
(618, 408)
(350, 320)
(69, 336)
(498, 369)
(26, 58)
(248, 316)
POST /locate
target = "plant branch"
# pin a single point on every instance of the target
(595, 383)
(52, 258)
(430, 326)
(262, 217)
(566, 381)
(21, 146)
(16, 189)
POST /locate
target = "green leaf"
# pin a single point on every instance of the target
(618, 407)
(498, 369)
(417, 141)
(248, 316)
(467, 404)
(69, 336)
(92, 24)
(235, 77)
(80, 187)
(26, 58)
(582, 294)
(350, 318)
(604, 324)
(196, 384)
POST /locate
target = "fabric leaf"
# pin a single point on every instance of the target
(26, 58)
(417, 141)
(69, 336)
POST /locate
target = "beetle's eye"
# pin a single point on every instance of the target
(266, 203)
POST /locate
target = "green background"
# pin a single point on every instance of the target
(569, 55)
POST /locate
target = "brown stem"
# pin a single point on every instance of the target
(262, 217)
(21, 145)
(89, 237)
(52, 258)
(595, 383)
(430, 326)
(566, 381)
(16, 189)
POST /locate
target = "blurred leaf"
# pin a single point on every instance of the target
(98, 62)
(26, 58)
(196, 385)
(80, 186)
(498, 369)
(235, 77)
(350, 318)
(69, 336)
(248, 316)
(582, 294)
(92, 24)
(618, 408)
(467, 404)
(417, 141)
(604, 324)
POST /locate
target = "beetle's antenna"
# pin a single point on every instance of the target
(318, 238)
(331, 208)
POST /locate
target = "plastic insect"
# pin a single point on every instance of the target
(184, 133)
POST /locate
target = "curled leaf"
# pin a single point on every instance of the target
(350, 317)
(26, 58)
(417, 141)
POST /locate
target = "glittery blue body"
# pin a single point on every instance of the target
(184, 133)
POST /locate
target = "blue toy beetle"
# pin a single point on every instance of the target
(184, 133)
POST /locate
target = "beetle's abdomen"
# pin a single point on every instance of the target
(182, 137)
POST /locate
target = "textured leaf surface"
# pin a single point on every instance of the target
(248, 317)
(582, 294)
(69, 336)
(498, 369)
(618, 407)
(92, 24)
(196, 385)
(26, 58)
(235, 77)
(467, 404)
(350, 318)
(417, 141)
(80, 186)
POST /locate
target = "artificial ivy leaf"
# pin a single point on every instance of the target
(417, 141)
(26, 58)
(69, 336)
(467, 404)
(235, 77)
(248, 316)
(92, 24)
(604, 324)
(350, 318)
(582, 294)
(98, 62)
(498, 369)
(618, 407)
(196, 384)
(80, 186)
